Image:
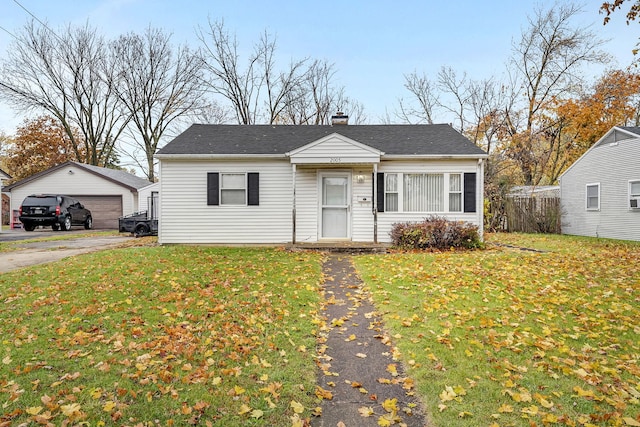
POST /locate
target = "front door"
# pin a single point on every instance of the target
(334, 206)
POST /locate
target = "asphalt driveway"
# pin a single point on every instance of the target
(34, 253)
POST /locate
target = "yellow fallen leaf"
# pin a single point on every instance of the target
(34, 410)
(7, 360)
(297, 407)
(257, 413)
(631, 422)
(108, 406)
(390, 405)
(365, 411)
(244, 409)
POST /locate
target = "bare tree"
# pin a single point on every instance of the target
(547, 60)
(425, 93)
(157, 85)
(239, 86)
(461, 90)
(67, 75)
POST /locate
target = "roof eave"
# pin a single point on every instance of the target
(433, 156)
(219, 156)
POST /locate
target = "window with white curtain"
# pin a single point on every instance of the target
(423, 192)
(455, 192)
(391, 192)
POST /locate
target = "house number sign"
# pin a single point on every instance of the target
(335, 160)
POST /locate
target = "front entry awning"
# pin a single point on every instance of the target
(335, 150)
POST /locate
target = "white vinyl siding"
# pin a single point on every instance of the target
(612, 166)
(186, 218)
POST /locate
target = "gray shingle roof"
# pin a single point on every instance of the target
(409, 140)
(632, 129)
(123, 178)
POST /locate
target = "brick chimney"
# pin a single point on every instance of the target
(340, 119)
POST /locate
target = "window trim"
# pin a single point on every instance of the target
(632, 195)
(460, 192)
(221, 189)
(586, 196)
(251, 188)
(397, 192)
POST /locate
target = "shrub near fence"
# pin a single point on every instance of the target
(533, 214)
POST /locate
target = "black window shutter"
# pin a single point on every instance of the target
(253, 189)
(380, 192)
(469, 192)
(213, 188)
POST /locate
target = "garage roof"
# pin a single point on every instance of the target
(125, 179)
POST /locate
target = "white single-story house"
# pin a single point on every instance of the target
(600, 192)
(232, 184)
(108, 193)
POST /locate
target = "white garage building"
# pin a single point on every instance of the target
(108, 193)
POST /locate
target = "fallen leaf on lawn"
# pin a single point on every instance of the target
(108, 406)
(631, 422)
(34, 410)
(257, 413)
(244, 409)
(297, 407)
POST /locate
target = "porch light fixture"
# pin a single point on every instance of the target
(360, 179)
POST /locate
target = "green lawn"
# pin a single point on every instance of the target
(182, 335)
(160, 336)
(505, 337)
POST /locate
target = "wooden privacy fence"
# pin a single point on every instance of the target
(533, 214)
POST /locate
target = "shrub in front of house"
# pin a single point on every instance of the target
(435, 233)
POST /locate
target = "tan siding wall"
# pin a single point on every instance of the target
(613, 167)
(186, 218)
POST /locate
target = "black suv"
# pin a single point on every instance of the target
(60, 212)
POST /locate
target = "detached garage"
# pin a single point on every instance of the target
(108, 193)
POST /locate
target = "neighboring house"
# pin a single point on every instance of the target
(4, 216)
(148, 198)
(290, 184)
(108, 193)
(600, 192)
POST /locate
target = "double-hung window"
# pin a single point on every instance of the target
(233, 189)
(391, 192)
(634, 194)
(593, 197)
(455, 192)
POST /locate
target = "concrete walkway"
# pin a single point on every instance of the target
(356, 362)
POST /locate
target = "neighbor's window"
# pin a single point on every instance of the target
(391, 192)
(593, 197)
(634, 194)
(423, 192)
(455, 192)
(233, 189)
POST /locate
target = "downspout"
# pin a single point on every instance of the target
(375, 203)
(481, 199)
(293, 213)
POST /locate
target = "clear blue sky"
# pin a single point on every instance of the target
(373, 44)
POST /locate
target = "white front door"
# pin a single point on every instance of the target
(335, 205)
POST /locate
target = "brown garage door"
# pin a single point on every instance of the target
(105, 210)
